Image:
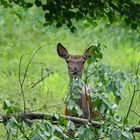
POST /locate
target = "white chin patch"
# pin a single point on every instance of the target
(75, 77)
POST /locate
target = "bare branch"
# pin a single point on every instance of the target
(28, 117)
(25, 74)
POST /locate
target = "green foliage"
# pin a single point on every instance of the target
(115, 131)
(86, 132)
(11, 107)
(63, 12)
(95, 53)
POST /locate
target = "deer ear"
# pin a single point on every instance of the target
(87, 53)
(62, 51)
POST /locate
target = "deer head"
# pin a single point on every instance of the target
(75, 63)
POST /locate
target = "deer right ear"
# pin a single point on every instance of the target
(62, 51)
(87, 53)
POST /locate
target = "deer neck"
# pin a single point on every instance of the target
(77, 88)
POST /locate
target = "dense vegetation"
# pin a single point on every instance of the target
(64, 11)
(22, 33)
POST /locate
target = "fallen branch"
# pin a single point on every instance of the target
(28, 117)
(37, 115)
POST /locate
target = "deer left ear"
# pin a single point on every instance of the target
(62, 51)
(87, 53)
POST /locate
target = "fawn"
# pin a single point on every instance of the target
(75, 65)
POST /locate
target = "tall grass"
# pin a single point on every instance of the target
(22, 32)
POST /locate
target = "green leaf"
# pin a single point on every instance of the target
(73, 29)
(56, 116)
(54, 138)
(38, 3)
(125, 121)
(59, 24)
(70, 125)
(57, 128)
(29, 5)
(134, 26)
(6, 104)
(36, 136)
(127, 135)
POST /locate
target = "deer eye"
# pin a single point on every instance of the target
(67, 61)
(83, 61)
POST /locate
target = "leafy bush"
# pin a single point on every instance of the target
(106, 93)
(63, 12)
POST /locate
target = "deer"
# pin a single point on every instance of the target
(75, 64)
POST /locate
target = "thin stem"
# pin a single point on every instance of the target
(22, 131)
(46, 107)
(132, 99)
(135, 113)
(21, 82)
(137, 90)
(7, 132)
(26, 70)
(25, 74)
(131, 102)
(35, 84)
(90, 75)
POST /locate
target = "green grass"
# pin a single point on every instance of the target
(26, 35)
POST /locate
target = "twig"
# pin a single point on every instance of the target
(21, 82)
(52, 106)
(137, 90)
(135, 113)
(90, 75)
(23, 132)
(26, 70)
(134, 92)
(25, 74)
(43, 78)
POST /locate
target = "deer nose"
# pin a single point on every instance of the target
(75, 69)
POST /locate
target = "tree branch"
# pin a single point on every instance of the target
(28, 117)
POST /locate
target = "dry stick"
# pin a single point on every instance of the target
(21, 82)
(25, 74)
(38, 115)
(43, 116)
